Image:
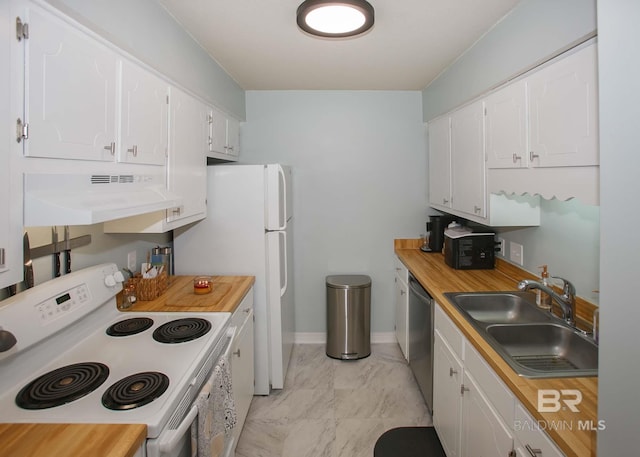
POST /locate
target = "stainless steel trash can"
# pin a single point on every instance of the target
(348, 316)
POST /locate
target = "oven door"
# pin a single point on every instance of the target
(175, 441)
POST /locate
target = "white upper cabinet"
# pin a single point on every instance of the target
(506, 127)
(563, 121)
(468, 183)
(224, 136)
(11, 262)
(440, 162)
(144, 116)
(187, 173)
(70, 91)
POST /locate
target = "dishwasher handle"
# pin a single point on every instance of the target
(417, 289)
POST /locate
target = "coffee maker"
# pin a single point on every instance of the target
(435, 232)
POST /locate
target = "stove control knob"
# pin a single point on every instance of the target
(118, 276)
(109, 281)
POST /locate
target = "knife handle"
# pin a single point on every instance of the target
(28, 276)
(67, 262)
(56, 264)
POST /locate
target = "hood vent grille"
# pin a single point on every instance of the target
(109, 179)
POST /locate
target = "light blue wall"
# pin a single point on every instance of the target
(359, 173)
(568, 238)
(531, 33)
(149, 33)
(619, 66)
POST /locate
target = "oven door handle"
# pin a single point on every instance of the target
(171, 438)
(231, 334)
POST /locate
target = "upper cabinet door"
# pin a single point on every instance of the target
(467, 160)
(187, 167)
(564, 112)
(506, 127)
(70, 92)
(217, 131)
(440, 162)
(144, 116)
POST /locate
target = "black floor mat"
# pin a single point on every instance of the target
(409, 442)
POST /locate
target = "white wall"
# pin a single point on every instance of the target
(359, 174)
(619, 65)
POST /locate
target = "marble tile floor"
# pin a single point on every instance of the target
(333, 408)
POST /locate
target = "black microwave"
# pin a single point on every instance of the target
(466, 250)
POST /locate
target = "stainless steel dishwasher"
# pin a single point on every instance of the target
(421, 338)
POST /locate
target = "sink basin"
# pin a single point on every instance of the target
(500, 307)
(547, 348)
(532, 341)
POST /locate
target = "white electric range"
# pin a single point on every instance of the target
(77, 359)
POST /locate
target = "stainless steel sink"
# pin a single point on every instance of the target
(532, 341)
(499, 307)
(551, 348)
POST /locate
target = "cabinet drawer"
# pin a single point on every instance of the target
(243, 310)
(499, 395)
(401, 271)
(449, 332)
(529, 433)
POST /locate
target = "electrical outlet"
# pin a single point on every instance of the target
(132, 261)
(516, 253)
(501, 249)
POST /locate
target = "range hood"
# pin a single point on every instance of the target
(84, 199)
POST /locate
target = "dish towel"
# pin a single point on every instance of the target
(216, 413)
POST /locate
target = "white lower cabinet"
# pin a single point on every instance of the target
(242, 361)
(474, 412)
(402, 307)
(483, 431)
(447, 401)
(531, 440)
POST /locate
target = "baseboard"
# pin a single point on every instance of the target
(321, 337)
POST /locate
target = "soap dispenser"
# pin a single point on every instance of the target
(543, 299)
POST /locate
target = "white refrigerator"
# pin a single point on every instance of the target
(248, 231)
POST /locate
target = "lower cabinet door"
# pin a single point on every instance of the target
(483, 432)
(242, 372)
(447, 401)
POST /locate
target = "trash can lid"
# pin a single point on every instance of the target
(348, 281)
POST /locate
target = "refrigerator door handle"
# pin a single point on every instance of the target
(283, 289)
(284, 202)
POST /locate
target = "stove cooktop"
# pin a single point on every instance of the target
(129, 362)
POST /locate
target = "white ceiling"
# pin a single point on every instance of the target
(259, 44)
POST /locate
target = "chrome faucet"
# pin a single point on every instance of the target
(567, 300)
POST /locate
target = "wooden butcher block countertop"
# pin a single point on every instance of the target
(71, 440)
(107, 440)
(225, 296)
(437, 278)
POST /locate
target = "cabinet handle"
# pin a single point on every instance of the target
(133, 150)
(452, 371)
(445, 201)
(111, 148)
(246, 310)
(516, 157)
(176, 211)
(402, 292)
(476, 209)
(237, 353)
(533, 452)
(2, 260)
(463, 389)
(532, 156)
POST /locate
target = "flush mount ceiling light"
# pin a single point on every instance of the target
(331, 19)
